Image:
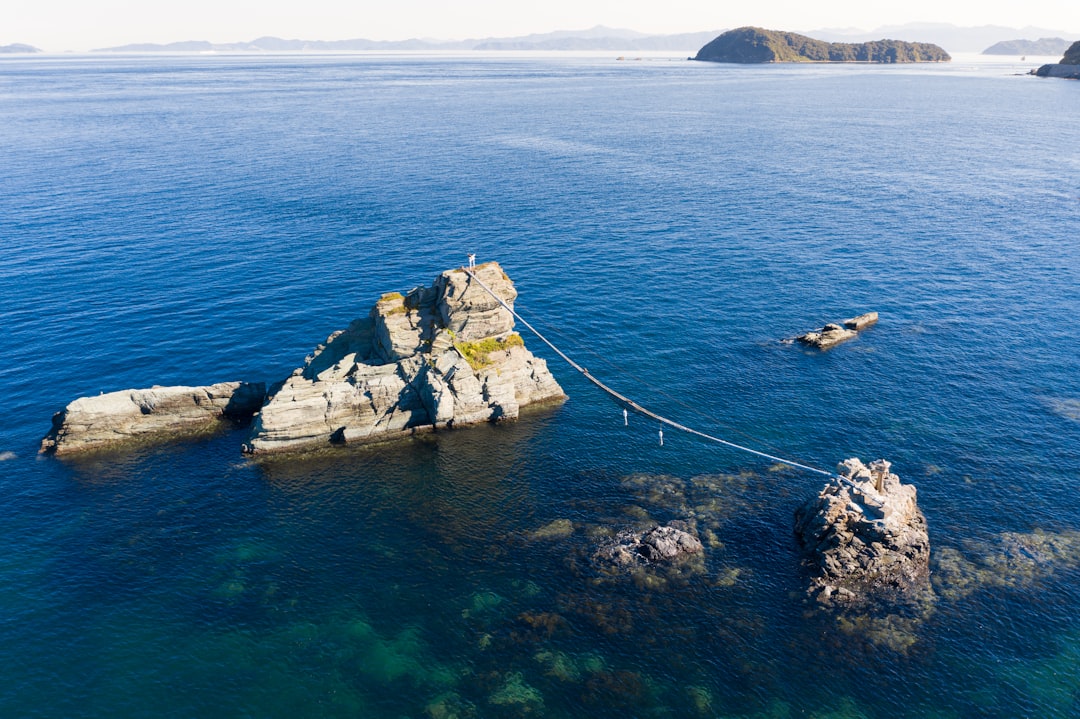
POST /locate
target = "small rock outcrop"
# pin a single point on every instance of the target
(864, 538)
(101, 422)
(757, 45)
(437, 357)
(1068, 68)
(833, 334)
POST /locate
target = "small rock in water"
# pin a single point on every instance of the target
(833, 334)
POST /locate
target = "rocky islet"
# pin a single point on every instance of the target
(435, 357)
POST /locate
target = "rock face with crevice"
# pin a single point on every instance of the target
(864, 538)
(108, 420)
(435, 357)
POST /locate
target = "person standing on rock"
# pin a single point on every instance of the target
(472, 260)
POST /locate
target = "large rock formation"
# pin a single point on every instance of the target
(1069, 67)
(864, 538)
(757, 45)
(160, 412)
(439, 356)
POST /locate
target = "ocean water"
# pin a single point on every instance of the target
(187, 220)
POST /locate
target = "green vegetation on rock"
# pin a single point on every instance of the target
(391, 303)
(757, 45)
(476, 353)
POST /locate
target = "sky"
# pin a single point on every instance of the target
(76, 25)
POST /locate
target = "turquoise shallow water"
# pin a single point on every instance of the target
(171, 220)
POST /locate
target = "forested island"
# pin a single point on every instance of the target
(757, 45)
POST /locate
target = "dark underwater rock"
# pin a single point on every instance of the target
(664, 543)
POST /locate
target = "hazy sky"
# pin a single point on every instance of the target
(57, 25)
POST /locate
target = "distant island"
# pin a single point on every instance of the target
(17, 48)
(757, 45)
(1042, 46)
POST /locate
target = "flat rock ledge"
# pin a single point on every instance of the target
(833, 334)
(108, 420)
(434, 357)
(864, 539)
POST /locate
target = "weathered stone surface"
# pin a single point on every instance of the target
(405, 369)
(861, 322)
(828, 336)
(469, 311)
(864, 538)
(110, 419)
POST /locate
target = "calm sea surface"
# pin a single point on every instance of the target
(187, 220)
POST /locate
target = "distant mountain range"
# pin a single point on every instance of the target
(597, 38)
(951, 37)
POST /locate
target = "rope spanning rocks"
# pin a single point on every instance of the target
(864, 538)
(833, 334)
(438, 356)
(108, 420)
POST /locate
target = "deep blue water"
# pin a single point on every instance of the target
(175, 220)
